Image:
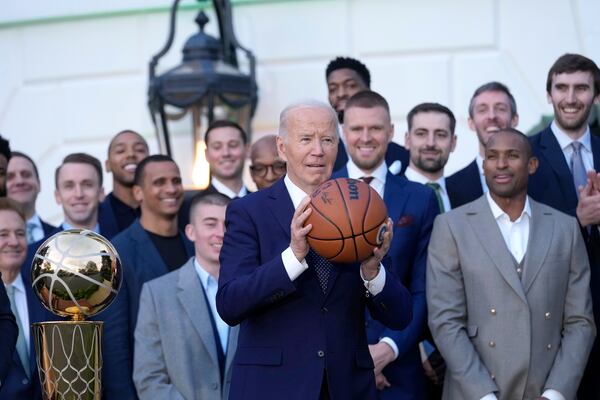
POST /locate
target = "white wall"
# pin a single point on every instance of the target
(73, 73)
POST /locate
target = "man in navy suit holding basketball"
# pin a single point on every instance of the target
(368, 130)
(302, 326)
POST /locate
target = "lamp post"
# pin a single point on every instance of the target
(206, 86)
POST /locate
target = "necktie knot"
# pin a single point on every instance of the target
(367, 179)
(576, 146)
(434, 185)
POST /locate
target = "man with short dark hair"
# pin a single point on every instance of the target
(149, 248)
(125, 151)
(266, 167)
(23, 186)
(412, 207)
(183, 349)
(4, 157)
(430, 139)
(345, 77)
(567, 177)
(508, 288)
(22, 380)
(492, 107)
(302, 323)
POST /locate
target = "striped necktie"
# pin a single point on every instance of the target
(437, 189)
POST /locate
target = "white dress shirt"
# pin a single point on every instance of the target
(210, 285)
(479, 161)
(516, 237)
(415, 176)
(294, 268)
(379, 175)
(564, 141)
(21, 305)
(221, 188)
(37, 231)
(65, 225)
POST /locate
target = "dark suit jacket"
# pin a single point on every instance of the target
(291, 333)
(464, 186)
(10, 331)
(394, 152)
(17, 384)
(47, 228)
(412, 208)
(141, 262)
(552, 184)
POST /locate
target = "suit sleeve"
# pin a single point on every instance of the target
(448, 314)
(245, 285)
(408, 338)
(149, 369)
(117, 348)
(578, 324)
(10, 331)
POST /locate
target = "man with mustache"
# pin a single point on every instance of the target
(492, 108)
(566, 178)
(125, 151)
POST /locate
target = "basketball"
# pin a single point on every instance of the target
(348, 220)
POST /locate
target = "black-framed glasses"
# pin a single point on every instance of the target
(260, 170)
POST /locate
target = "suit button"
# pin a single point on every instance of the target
(493, 311)
(324, 309)
(519, 270)
(547, 315)
(25, 381)
(492, 343)
(549, 346)
(321, 353)
(492, 376)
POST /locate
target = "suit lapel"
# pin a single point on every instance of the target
(190, 294)
(154, 264)
(394, 196)
(281, 205)
(541, 229)
(556, 160)
(231, 348)
(596, 152)
(480, 217)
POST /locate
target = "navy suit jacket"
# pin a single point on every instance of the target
(47, 228)
(17, 384)
(464, 186)
(10, 331)
(394, 152)
(141, 262)
(291, 333)
(412, 208)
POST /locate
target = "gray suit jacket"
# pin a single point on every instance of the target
(497, 332)
(175, 355)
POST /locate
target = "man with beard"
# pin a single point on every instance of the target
(125, 151)
(492, 108)
(412, 207)
(566, 178)
(345, 77)
(430, 140)
(4, 157)
(226, 150)
(151, 247)
(508, 288)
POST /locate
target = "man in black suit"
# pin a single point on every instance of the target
(491, 109)
(345, 77)
(566, 179)
(23, 186)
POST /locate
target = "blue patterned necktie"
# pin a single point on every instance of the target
(577, 167)
(322, 267)
(21, 345)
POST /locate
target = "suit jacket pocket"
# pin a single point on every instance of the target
(363, 359)
(258, 356)
(471, 331)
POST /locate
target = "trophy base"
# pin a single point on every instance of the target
(69, 359)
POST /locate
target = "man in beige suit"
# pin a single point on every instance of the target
(508, 288)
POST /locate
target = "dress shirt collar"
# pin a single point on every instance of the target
(356, 173)
(18, 284)
(415, 176)
(564, 140)
(498, 213)
(221, 188)
(296, 194)
(65, 225)
(479, 161)
(202, 274)
(35, 220)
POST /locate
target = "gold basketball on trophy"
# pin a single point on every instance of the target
(76, 273)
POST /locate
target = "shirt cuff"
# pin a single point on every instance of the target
(390, 343)
(375, 285)
(489, 396)
(552, 394)
(292, 266)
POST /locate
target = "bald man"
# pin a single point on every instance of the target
(266, 167)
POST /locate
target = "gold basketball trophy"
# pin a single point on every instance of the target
(75, 273)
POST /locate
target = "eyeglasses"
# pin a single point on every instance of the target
(260, 170)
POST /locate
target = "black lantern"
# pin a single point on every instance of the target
(206, 86)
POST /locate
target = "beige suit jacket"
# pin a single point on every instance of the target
(498, 332)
